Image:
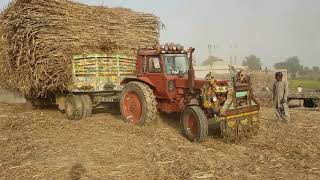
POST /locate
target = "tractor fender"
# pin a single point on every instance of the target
(193, 102)
(142, 79)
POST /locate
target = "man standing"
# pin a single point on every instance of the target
(299, 89)
(280, 95)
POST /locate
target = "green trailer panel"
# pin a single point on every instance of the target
(100, 72)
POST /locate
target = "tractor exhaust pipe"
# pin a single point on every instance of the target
(191, 76)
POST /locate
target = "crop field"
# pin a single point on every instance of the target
(43, 144)
(307, 84)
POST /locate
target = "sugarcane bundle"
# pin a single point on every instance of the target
(40, 37)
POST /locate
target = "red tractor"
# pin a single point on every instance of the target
(165, 82)
(160, 80)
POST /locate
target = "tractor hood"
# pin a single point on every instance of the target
(198, 83)
(183, 82)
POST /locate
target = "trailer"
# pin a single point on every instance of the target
(310, 98)
(96, 79)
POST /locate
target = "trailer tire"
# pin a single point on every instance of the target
(309, 103)
(318, 104)
(74, 107)
(195, 123)
(87, 106)
(138, 104)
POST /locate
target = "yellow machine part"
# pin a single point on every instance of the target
(208, 105)
(236, 127)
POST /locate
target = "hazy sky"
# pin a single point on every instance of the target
(271, 29)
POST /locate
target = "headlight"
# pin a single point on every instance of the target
(214, 98)
(166, 47)
(171, 46)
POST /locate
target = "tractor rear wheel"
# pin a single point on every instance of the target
(138, 104)
(74, 107)
(195, 123)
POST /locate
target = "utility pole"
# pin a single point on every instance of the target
(211, 47)
(233, 54)
(210, 50)
(235, 57)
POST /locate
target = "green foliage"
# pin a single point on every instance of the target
(294, 67)
(310, 73)
(292, 64)
(315, 68)
(210, 60)
(253, 62)
(306, 84)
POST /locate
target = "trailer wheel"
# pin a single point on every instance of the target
(87, 106)
(310, 103)
(318, 104)
(195, 123)
(74, 107)
(138, 104)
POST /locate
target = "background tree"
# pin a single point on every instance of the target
(253, 62)
(210, 60)
(292, 64)
(301, 70)
(315, 69)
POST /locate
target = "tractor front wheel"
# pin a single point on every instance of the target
(195, 123)
(138, 104)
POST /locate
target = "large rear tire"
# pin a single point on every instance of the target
(195, 124)
(138, 104)
(74, 107)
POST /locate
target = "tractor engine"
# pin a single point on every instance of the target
(213, 95)
(232, 104)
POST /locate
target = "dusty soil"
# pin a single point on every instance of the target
(43, 144)
(9, 97)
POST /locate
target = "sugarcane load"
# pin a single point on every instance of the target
(41, 37)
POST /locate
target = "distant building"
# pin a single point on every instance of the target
(219, 68)
(284, 72)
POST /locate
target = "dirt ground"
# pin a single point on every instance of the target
(43, 144)
(9, 97)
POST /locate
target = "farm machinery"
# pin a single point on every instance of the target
(162, 80)
(310, 98)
